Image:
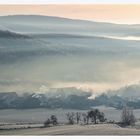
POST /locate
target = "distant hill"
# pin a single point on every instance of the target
(50, 24)
(8, 34)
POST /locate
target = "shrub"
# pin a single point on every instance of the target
(47, 123)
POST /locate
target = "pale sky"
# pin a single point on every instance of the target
(129, 14)
(68, 1)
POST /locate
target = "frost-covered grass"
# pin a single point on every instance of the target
(98, 129)
(13, 126)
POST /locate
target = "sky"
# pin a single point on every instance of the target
(114, 13)
(66, 1)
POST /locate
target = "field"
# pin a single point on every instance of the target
(30, 122)
(99, 129)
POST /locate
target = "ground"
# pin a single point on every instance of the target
(99, 129)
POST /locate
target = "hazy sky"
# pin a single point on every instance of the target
(129, 14)
(66, 1)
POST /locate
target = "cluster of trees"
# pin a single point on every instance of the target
(93, 116)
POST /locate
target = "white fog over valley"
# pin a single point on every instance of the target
(39, 53)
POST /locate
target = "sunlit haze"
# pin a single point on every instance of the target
(125, 14)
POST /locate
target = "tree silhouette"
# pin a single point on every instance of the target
(53, 120)
(70, 117)
(128, 117)
(85, 118)
(78, 117)
(93, 115)
(101, 117)
(47, 123)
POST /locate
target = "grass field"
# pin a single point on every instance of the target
(99, 129)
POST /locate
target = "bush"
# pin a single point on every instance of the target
(47, 123)
(51, 121)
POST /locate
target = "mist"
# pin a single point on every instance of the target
(59, 53)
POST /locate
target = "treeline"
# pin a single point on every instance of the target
(93, 116)
(90, 117)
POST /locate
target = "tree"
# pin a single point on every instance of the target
(132, 118)
(47, 123)
(53, 120)
(101, 117)
(127, 117)
(78, 117)
(85, 118)
(70, 117)
(93, 115)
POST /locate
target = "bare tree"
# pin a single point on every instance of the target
(70, 117)
(85, 118)
(132, 118)
(78, 117)
(127, 117)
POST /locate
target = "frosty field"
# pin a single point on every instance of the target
(99, 129)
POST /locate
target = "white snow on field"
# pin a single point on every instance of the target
(99, 129)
